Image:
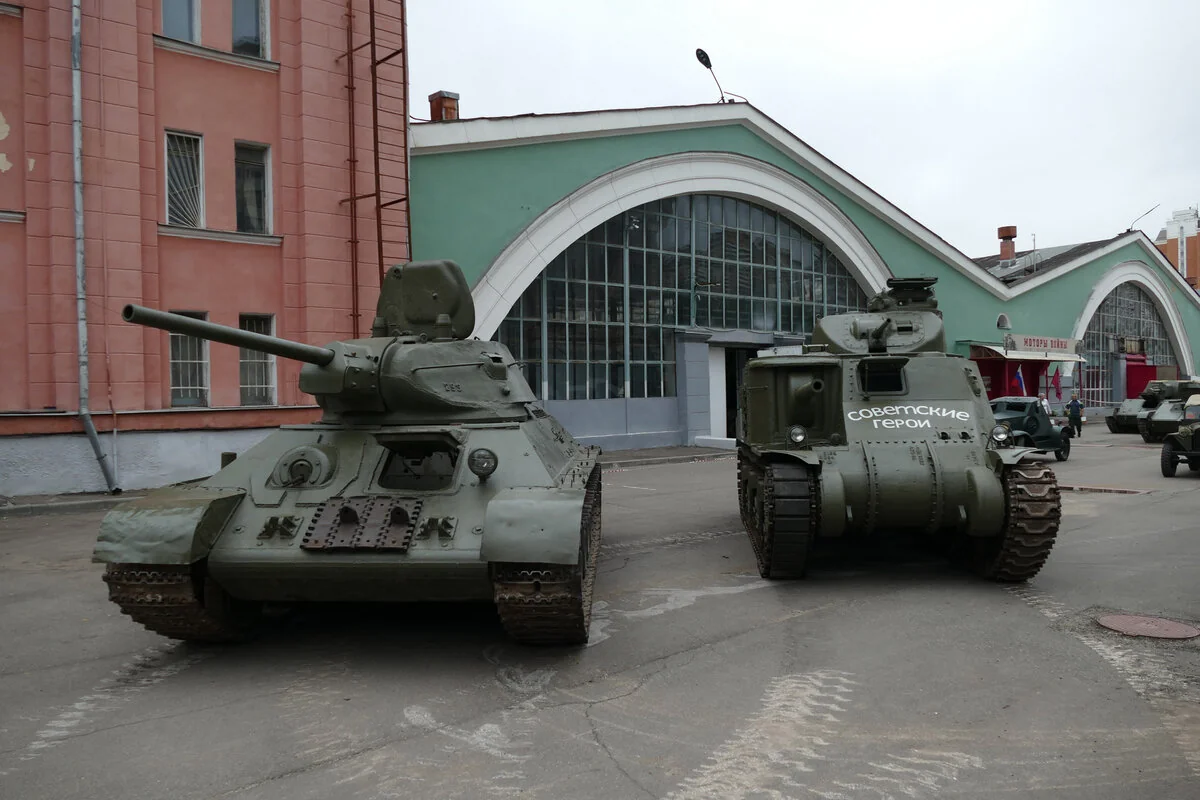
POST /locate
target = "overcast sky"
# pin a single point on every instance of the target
(1065, 118)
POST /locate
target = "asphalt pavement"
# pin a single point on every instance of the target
(875, 677)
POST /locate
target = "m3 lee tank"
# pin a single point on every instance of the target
(433, 474)
(873, 429)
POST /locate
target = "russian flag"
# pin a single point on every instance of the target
(1021, 382)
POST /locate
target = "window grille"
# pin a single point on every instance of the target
(248, 27)
(185, 205)
(189, 367)
(602, 315)
(179, 20)
(251, 175)
(257, 368)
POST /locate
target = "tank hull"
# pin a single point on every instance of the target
(1124, 419)
(388, 514)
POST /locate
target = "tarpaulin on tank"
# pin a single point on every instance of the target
(538, 525)
(174, 525)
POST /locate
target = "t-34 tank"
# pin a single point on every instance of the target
(1164, 418)
(433, 474)
(1124, 419)
(871, 430)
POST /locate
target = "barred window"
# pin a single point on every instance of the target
(257, 368)
(189, 367)
(1127, 321)
(600, 320)
(185, 181)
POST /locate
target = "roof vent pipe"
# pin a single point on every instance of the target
(443, 106)
(1008, 248)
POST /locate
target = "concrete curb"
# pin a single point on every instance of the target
(610, 466)
(64, 507)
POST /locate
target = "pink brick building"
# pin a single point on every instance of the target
(217, 179)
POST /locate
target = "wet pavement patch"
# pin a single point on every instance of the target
(1153, 627)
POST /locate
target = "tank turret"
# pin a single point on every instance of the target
(433, 474)
(903, 319)
(417, 366)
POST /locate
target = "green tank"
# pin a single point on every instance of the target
(1164, 418)
(1183, 446)
(433, 475)
(1124, 419)
(872, 430)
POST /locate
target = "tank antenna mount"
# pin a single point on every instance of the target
(706, 62)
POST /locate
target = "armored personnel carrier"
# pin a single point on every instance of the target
(1183, 446)
(1164, 418)
(433, 474)
(873, 429)
(1124, 419)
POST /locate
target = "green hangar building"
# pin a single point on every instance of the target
(635, 259)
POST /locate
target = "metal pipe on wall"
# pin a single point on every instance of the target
(80, 266)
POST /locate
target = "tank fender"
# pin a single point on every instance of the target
(533, 525)
(803, 456)
(998, 458)
(985, 502)
(173, 525)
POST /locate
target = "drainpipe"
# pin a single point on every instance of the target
(80, 269)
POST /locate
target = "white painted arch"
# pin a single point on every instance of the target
(728, 174)
(1151, 281)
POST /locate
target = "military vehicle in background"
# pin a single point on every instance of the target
(873, 429)
(433, 474)
(1030, 426)
(1165, 417)
(1124, 419)
(1184, 444)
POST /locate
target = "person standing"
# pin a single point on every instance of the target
(1045, 404)
(1075, 414)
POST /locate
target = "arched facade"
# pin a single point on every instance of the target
(725, 174)
(1126, 326)
(600, 322)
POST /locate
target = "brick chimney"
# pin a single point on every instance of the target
(1008, 248)
(443, 106)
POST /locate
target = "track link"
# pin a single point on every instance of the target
(1033, 511)
(782, 526)
(551, 604)
(163, 598)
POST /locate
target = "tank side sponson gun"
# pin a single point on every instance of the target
(189, 326)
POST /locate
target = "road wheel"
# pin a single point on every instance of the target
(1064, 452)
(1167, 459)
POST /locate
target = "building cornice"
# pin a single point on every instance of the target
(212, 54)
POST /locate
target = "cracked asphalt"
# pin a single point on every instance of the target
(881, 675)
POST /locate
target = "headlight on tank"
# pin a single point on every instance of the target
(999, 434)
(482, 462)
(797, 434)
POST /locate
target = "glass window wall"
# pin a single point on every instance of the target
(599, 322)
(1126, 321)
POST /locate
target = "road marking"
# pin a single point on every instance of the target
(144, 671)
(786, 737)
(1175, 699)
(676, 599)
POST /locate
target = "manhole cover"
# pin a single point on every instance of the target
(1156, 627)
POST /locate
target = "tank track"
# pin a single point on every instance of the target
(163, 599)
(551, 604)
(1144, 429)
(1113, 427)
(1033, 511)
(782, 539)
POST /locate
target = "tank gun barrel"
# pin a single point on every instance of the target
(177, 323)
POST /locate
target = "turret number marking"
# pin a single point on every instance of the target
(452, 387)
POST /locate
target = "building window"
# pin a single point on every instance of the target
(251, 175)
(185, 183)
(249, 17)
(1127, 321)
(180, 20)
(189, 367)
(257, 368)
(600, 321)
